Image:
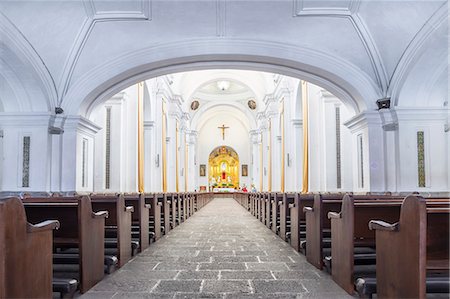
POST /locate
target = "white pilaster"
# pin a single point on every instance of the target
(75, 129)
(367, 125)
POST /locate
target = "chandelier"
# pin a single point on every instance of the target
(223, 85)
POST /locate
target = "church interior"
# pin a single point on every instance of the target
(224, 149)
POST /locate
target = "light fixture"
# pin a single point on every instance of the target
(223, 85)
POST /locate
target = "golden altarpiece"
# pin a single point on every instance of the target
(224, 168)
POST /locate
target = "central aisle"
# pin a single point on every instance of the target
(222, 251)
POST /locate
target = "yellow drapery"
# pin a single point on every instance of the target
(186, 161)
(140, 91)
(177, 158)
(269, 186)
(261, 165)
(282, 147)
(305, 183)
(164, 148)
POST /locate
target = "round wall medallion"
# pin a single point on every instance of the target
(252, 104)
(195, 105)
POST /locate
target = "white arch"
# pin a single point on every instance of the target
(355, 88)
(211, 109)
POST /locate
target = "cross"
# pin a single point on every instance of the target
(223, 130)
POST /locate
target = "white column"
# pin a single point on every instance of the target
(368, 144)
(171, 153)
(149, 157)
(191, 139)
(255, 169)
(297, 154)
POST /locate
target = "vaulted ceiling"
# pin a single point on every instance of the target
(80, 50)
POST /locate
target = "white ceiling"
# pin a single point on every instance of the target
(81, 49)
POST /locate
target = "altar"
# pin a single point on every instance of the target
(226, 190)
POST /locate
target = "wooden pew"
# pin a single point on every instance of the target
(285, 215)
(140, 218)
(423, 229)
(262, 207)
(154, 216)
(276, 201)
(316, 223)
(318, 226)
(185, 206)
(349, 229)
(117, 225)
(174, 212)
(297, 217)
(268, 209)
(180, 206)
(25, 250)
(80, 228)
(192, 203)
(166, 211)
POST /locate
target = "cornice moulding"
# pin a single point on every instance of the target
(423, 114)
(363, 120)
(24, 119)
(82, 124)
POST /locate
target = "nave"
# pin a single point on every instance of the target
(220, 252)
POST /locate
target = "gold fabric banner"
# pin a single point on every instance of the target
(282, 147)
(269, 186)
(164, 148)
(261, 165)
(305, 183)
(140, 112)
(177, 158)
(186, 161)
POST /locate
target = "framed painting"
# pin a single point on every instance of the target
(244, 170)
(202, 170)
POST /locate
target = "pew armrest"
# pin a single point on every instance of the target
(100, 214)
(43, 226)
(291, 205)
(159, 203)
(148, 206)
(308, 209)
(129, 209)
(334, 215)
(381, 225)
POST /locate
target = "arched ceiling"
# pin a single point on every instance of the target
(357, 46)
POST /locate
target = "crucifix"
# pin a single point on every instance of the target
(223, 130)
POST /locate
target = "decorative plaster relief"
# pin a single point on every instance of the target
(343, 7)
(348, 9)
(131, 9)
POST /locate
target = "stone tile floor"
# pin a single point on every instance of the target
(222, 251)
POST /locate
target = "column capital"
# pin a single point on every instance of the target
(81, 124)
(191, 136)
(255, 136)
(363, 120)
